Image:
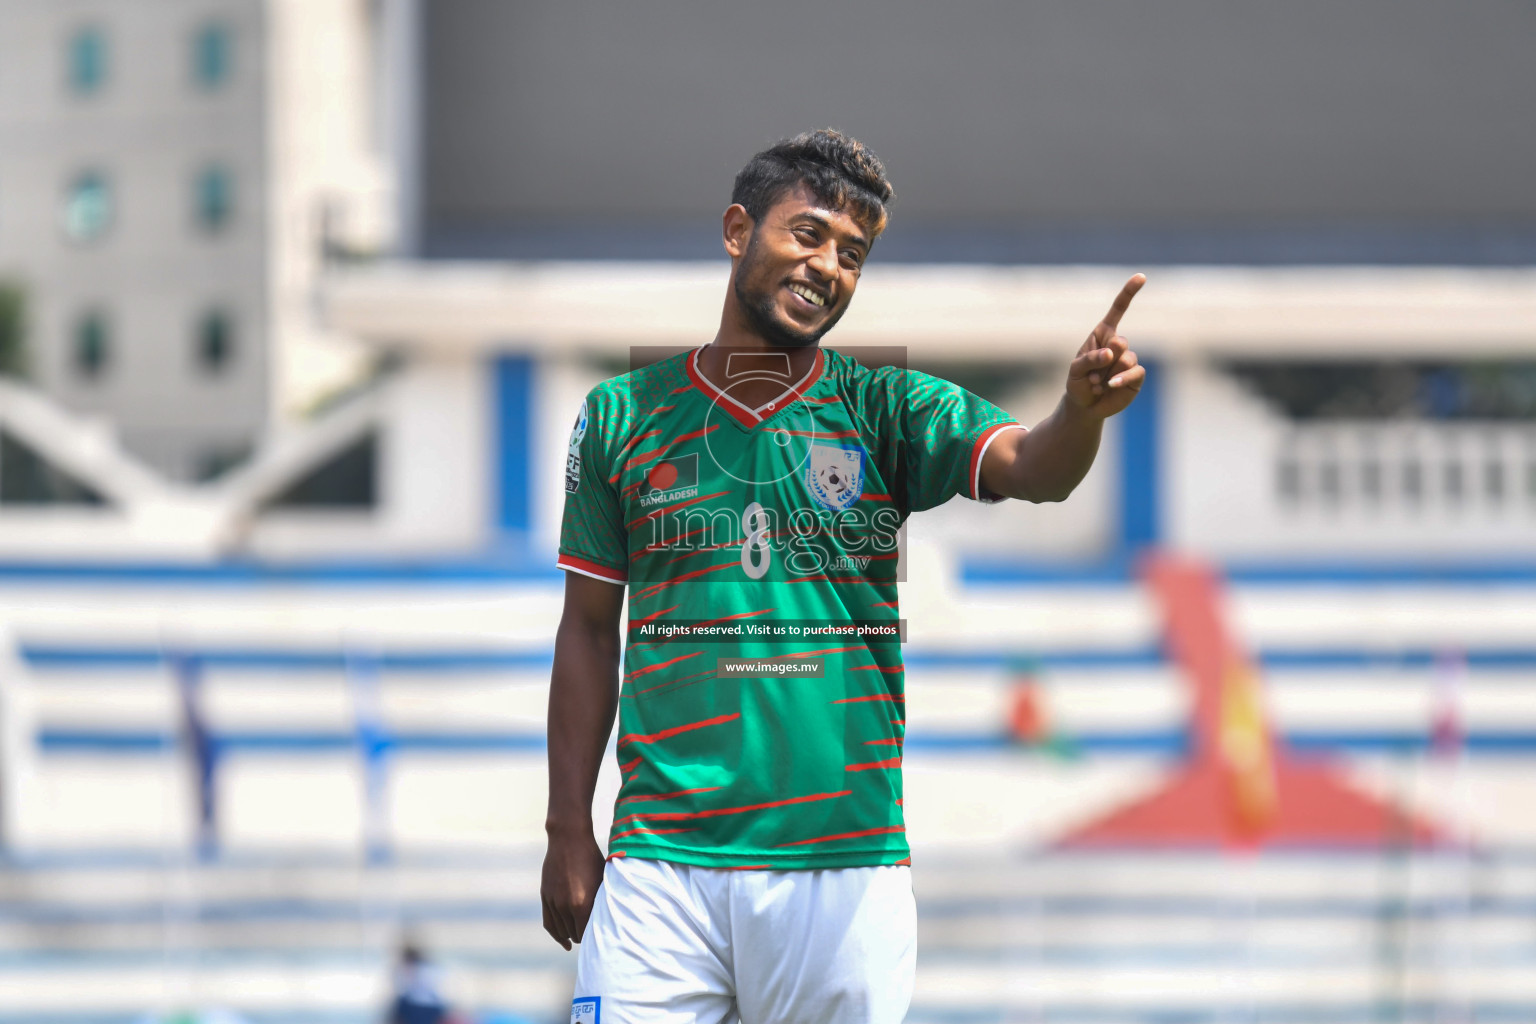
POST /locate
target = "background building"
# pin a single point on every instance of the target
(174, 172)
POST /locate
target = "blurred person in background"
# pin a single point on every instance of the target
(418, 990)
(758, 867)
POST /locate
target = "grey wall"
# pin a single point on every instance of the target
(990, 112)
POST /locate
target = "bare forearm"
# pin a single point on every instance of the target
(1053, 458)
(583, 697)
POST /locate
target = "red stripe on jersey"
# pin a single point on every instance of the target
(637, 460)
(884, 604)
(893, 762)
(730, 618)
(669, 508)
(846, 835)
(666, 408)
(629, 764)
(656, 588)
(653, 737)
(882, 743)
(876, 668)
(650, 832)
(678, 391)
(680, 438)
(644, 457)
(582, 565)
(663, 796)
(679, 682)
(867, 496)
(860, 700)
(719, 811)
(825, 399)
(749, 867)
(638, 622)
(632, 442)
(703, 550)
(637, 673)
(807, 654)
(905, 862)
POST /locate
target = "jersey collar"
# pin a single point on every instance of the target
(745, 414)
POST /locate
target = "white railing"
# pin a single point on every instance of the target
(1408, 468)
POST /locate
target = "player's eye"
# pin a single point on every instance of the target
(807, 235)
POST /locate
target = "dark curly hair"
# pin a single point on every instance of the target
(839, 170)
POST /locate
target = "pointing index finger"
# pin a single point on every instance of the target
(1123, 300)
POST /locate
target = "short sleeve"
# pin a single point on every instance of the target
(593, 540)
(942, 432)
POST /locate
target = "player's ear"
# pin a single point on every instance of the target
(737, 229)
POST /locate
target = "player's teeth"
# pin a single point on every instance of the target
(808, 295)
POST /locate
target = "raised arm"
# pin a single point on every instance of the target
(1047, 462)
(583, 696)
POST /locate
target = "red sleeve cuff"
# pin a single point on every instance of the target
(586, 568)
(978, 450)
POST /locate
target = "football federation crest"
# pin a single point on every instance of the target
(835, 475)
(670, 478)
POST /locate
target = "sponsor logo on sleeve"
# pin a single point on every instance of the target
(573, 451)
(587, 1010)
(835, 475)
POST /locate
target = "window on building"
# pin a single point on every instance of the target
(26, 478)
(87, 60)
(215, 342)
(92, 345)
(348, 479)
(216, 460)
(214, 198)
(212, 55)
(88, 207)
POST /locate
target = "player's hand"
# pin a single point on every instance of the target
(573, 870)
(1105, 376)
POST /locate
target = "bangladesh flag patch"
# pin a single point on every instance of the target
(670, 479)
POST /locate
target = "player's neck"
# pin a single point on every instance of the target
(751, 369)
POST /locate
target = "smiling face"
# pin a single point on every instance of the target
(797, 267)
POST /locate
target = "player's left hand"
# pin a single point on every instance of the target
(1105, 376)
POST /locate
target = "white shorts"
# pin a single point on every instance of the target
(677, 944)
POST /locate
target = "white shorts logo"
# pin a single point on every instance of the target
(835, 476)
(587, 1010)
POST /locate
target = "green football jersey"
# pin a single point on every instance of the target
(762, 714)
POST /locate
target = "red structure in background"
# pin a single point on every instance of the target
(1241, 788)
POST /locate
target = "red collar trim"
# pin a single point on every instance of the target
(744, 414)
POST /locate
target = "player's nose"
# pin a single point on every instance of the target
(824, 262)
